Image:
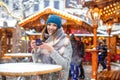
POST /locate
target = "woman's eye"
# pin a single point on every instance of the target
(54, 25)
(49, 24)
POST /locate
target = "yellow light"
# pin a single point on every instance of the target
(72, 17)
(112, 9)
(109, 10)
(108, 7)
(79, 20)
(25, 38)
(118, 7)
(69, 16)
(75, 19)
(111, 5)
(96, 14)
(66, 15)
(114, 4)
(103, 12)
(106, 14)
(106, 11)
(109, 26)
(119, 36)
(115, 8)
(9, 50)
(104, 8)
(57, 12)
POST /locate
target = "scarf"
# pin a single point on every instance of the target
(55, 40)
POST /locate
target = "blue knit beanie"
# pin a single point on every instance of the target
(54, 19)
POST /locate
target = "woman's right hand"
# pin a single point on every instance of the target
(33, 44)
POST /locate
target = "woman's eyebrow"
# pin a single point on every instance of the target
(33, 42)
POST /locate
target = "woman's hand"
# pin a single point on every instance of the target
(33, 45)
(48, 47)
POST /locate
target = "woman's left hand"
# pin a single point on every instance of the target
(47, 47)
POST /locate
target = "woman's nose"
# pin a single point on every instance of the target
(50, 26)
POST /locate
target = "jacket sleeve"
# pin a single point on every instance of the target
(65, 58)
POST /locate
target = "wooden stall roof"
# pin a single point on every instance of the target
(109, 9)
(34, 20)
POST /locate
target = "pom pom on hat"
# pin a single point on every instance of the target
(54, 19)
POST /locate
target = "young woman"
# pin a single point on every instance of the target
(56, 48)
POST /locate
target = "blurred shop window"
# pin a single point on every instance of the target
(5, 24)
(46, 3)
(25, 0)
(6, 1)
(15, 6)
(56, 4)
(89, 21)
(4, 16)
(83, 17)
(72, 3)
(36, 7)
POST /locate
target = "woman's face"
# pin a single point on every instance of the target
(51, 28)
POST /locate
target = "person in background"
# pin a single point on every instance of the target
(74, 66)
(81, 52)
(55, 49)
(102, 54)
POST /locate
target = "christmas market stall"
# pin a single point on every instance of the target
(107, 12)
